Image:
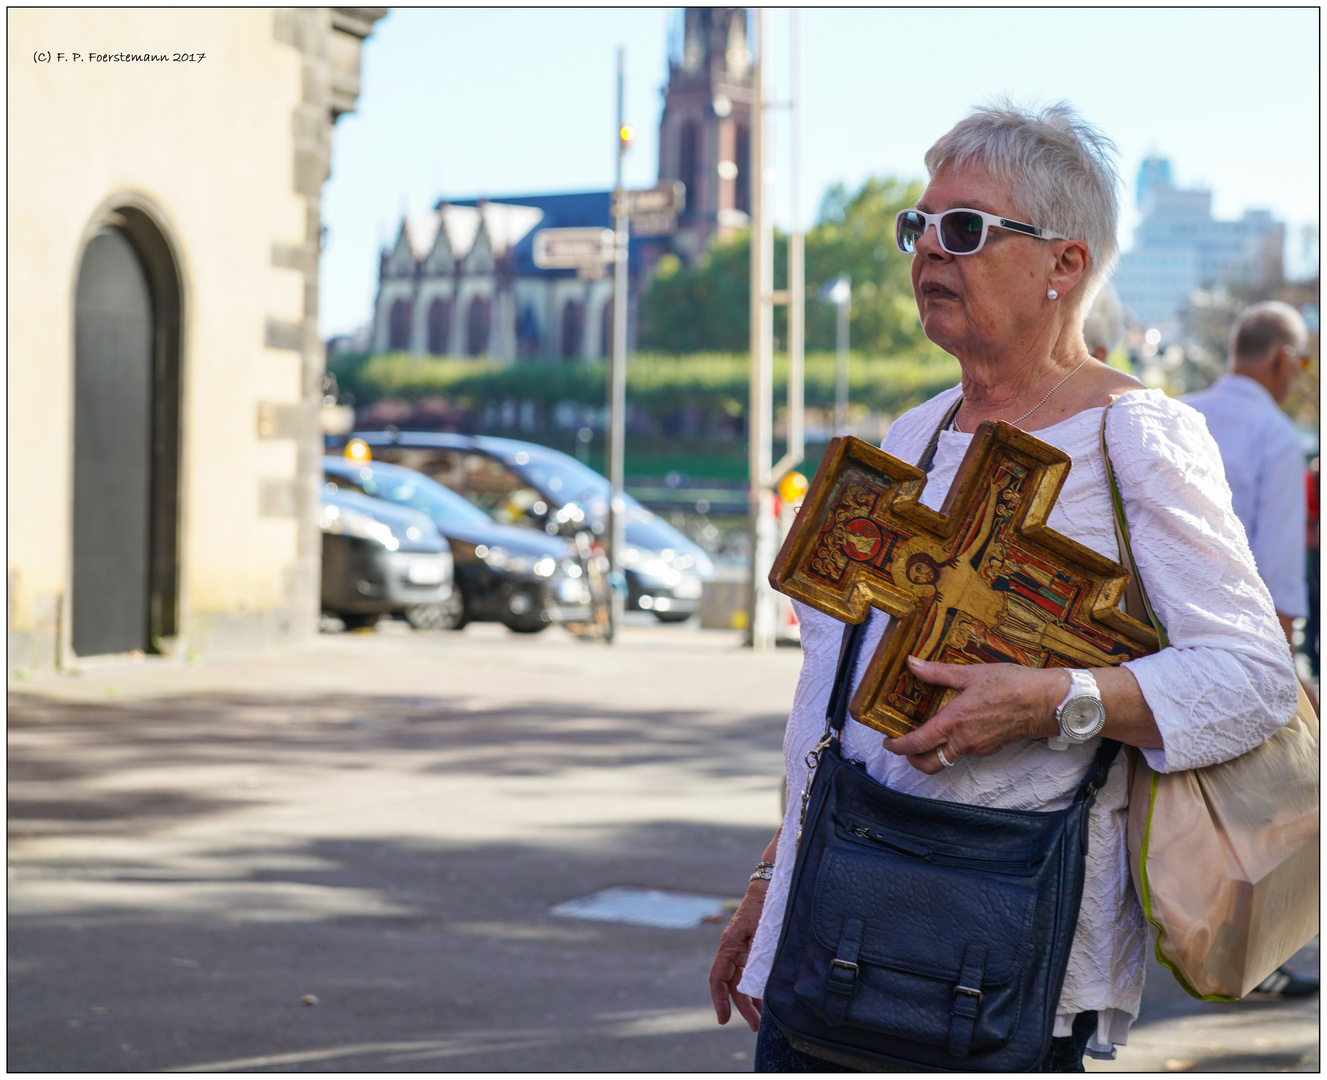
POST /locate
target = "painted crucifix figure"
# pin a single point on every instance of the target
(982, 580)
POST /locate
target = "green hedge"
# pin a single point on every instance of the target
(716, 382)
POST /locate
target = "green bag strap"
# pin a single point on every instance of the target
(1135, 594)
(1135, 600)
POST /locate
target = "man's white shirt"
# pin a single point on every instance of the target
(1265, 469)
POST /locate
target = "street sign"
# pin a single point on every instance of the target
(653, 225)
(667, 198)
(572, 249)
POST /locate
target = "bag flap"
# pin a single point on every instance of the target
(920, 917)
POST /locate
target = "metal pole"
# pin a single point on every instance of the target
(796, 316)
(841, 360)
(617, 379)
(760, 413)
(796, 274)
(796, 257)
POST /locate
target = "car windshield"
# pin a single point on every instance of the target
(416, 491)
(563, 478)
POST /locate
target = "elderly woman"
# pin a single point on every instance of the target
(1012, 239)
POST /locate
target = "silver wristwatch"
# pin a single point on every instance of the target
(1081, 714)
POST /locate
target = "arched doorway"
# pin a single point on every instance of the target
(398, 325)
(573, 328)
(440, 326)
(124, 584)
(477, 326)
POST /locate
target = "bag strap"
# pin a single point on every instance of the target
(928, 455)
(836, 713)
(1099, 769)
(1135, 593)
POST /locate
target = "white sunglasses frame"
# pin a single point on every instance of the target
(987, 221)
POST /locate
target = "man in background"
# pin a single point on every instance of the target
(1265, 468)
(1260, 447)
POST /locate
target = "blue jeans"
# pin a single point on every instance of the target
(774, 1053)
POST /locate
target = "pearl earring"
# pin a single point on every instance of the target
(1051, 294)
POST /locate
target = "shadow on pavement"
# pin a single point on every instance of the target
(244, 728)
(185, 869)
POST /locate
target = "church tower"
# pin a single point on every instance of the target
(705, 130)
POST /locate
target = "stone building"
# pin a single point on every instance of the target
(705, 130)
(460, 280)
(164, 377)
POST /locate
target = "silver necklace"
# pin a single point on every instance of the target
(1039, 404)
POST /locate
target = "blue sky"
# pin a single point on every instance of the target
(467, 102)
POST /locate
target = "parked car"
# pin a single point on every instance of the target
(379, 559)
(505, 574)
(527, 484)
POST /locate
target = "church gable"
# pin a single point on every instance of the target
(460, 224)
(440, 259)
(401, 262)
(480, 259)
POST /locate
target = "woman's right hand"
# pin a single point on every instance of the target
(730, 959)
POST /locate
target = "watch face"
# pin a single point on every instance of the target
(1083, 717)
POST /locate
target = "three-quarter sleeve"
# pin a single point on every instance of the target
(1227, 681)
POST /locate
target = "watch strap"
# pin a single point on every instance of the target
(1081, 685)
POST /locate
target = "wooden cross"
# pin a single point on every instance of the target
(981, 581)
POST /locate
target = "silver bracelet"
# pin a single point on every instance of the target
(764, 872)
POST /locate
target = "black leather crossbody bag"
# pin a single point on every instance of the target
(924, 934)
(920, 933)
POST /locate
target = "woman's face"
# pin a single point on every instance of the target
(989, 300)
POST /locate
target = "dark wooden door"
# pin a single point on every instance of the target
(112, 512)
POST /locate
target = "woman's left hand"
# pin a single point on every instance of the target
(996, 704)
(730, 959)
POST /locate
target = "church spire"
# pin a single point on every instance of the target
(705, 130)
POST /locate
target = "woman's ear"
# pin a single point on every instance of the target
(1070, 265)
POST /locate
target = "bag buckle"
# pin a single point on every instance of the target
(969, 991)
(848, 965)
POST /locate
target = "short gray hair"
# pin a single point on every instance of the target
(1104, 325)
(1263, 327)
(1060, 168)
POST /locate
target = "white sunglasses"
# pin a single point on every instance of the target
(960, 231)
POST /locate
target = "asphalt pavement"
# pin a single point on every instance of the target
(345, 857)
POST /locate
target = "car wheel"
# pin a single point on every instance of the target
(446, 614)
(360, 620)
(672, 616)
(527, 626)
(426, 617)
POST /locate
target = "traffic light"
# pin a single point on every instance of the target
(626, 133)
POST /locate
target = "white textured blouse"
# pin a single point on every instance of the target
(1225, 684)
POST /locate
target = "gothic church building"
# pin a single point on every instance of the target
(460, 280)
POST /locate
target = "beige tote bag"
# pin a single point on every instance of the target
(1225, 858)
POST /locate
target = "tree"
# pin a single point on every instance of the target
(855, 236)
(706, 307)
